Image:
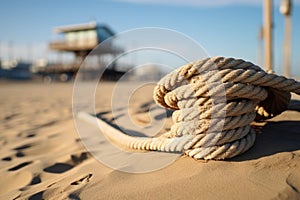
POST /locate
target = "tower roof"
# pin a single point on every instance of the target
(76, 27)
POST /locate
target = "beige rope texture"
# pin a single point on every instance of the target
(215, 100)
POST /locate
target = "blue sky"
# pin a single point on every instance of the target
(222, 27)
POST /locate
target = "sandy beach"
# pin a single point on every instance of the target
(42, 156)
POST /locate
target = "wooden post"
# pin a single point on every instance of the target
(268, 35)
(286, 10)
(287, 46)
(260, 46)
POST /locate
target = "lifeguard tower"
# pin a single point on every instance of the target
(81, 40)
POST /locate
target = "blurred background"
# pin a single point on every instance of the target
(48, 40)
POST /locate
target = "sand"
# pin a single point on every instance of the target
(42, 156)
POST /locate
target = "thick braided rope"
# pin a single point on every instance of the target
(221, 126)
(215, 100)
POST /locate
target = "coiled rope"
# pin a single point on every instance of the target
(215, 100)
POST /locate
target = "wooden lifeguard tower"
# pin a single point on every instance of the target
(81, 40)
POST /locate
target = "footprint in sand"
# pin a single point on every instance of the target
(74, 197)
(26, 146)
(19, 166)
(20, 154)
(35, 180)
(58, 168)
(36, 196)
(30, 135)
(26, 134)
(82, 180)
(76, 159)
(8, 158)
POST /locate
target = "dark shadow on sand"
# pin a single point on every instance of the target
(122, 129)
(294, 105)
(275, 137)
(37, 196)
(58, 168)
